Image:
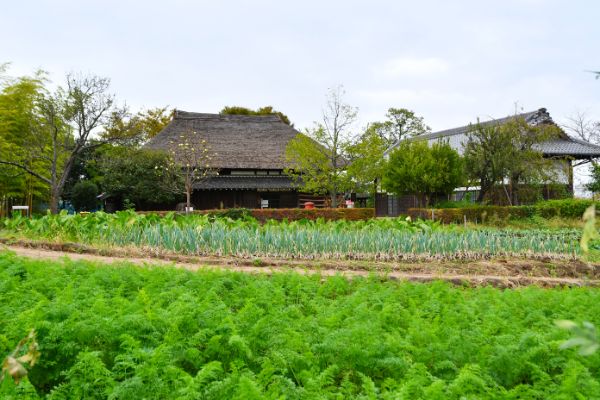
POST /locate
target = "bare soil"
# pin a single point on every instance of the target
(499, 272)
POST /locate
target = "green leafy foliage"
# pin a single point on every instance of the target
(124, 332)
(450, 212)
(416, 167)
(318, 159)
(400, 124)
(137, 175)
(494, 152)
(367, 161)
(84, 196)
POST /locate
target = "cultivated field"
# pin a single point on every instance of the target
(127, 332)
(325, 321)
(390, 239)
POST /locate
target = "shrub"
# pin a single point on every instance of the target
(328, 214)
(84, 196)
(568, 208)
(233, 213)
(290, 214)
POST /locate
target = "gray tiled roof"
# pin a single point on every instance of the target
(569, 147)
(563, 146)
(247, 183)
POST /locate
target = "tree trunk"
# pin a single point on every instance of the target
(482, 193)
(334, 199)
(54, 198)
(188, 201)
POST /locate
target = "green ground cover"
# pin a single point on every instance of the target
(124, 332)
(384, 239)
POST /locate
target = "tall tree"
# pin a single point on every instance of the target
(319, 158)
(528, 165)
(65, 123)
(414, 167)
(498, 152)
(267, 110)
(137, 175)
(20, 124)
(401, 123)
(488, 154)
(366, 161)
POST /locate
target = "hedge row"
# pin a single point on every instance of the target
(569, 208)
(294, 214)
(291, 214)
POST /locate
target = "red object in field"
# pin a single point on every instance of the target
(309, 205)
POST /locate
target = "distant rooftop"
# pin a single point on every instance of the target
(563, 146)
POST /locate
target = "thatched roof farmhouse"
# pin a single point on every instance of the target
(249, 157)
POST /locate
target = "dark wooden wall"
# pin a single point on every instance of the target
(214, 199)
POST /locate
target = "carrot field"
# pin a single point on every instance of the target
(125, 332)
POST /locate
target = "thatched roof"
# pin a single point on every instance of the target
(237, 141)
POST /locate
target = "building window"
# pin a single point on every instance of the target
(241, 172)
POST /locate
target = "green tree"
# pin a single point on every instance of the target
(401, 123)
(414, 167)
(498, 152)
(594, 185)
(84, 196)
(136, 175)
(267, 110)
(136, 129)
(318, 158)
(366, 161)
(61, 128)
(19, 123)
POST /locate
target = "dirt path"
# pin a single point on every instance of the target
(451, 272)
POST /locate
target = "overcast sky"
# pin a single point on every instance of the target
(450, 61)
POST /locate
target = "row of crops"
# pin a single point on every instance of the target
(121, 332)
(385, 239)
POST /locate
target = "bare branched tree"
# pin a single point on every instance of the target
(190, 163)
(320, 156)
(581, 127)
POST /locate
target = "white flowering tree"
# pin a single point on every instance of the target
(190, 162)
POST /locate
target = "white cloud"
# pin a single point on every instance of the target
(413, 66)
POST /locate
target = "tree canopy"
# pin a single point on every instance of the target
(414, 167)
(401, 123)
(366, 160)
(136, 175)
(49, 138)
(319, 157)
(495, 152)
(58, 126)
